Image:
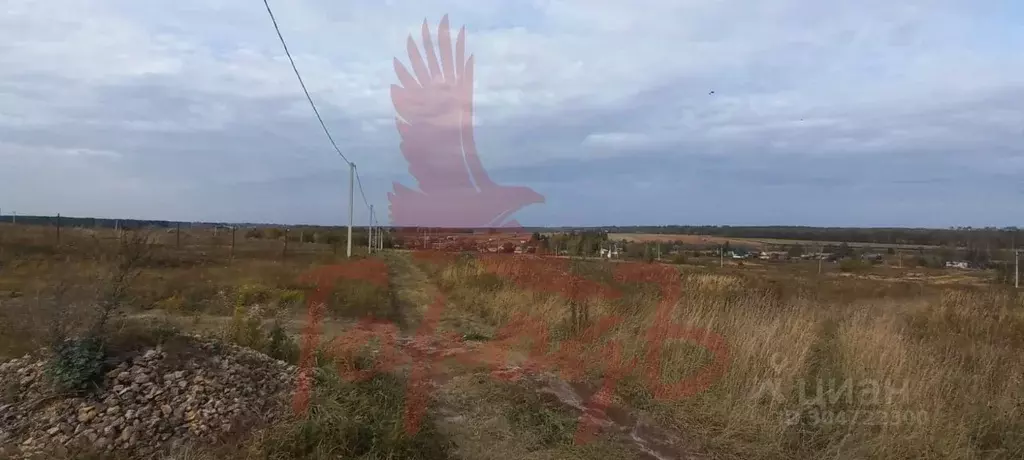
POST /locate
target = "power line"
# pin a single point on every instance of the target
(303, 84)
(360, 183)
(309, 98)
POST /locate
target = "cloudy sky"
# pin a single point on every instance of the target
(861, 113)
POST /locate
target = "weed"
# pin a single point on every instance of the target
(354, 420)
(76, 363)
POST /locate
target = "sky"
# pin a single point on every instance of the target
(647, 112)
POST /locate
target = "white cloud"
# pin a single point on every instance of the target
(565, 79)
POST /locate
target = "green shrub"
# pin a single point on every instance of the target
(364, 420)
(287, 298)
(357, 299)
(273, 233)
(486, 282)
(245, 329)
(76, 363)
(279, 345)
(853, 265)
(252, 294)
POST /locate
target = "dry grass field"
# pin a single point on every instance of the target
(834, 367)
(871, 365)
(759, 242)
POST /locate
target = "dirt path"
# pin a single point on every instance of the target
(539, 416)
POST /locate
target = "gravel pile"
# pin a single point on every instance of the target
(199, 393)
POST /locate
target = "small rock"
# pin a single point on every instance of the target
(86, 417)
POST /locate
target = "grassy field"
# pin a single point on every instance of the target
(873, 364)
(836, 367)
(759, 242)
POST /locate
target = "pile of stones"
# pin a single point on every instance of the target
(154, 401)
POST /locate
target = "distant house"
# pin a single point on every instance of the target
(738, 254)
(609, 253)
(961, 264)
(774, 255)
(872, 257)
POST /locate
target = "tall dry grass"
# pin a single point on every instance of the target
(905, 372)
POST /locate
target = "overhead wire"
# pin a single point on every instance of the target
(312, 104)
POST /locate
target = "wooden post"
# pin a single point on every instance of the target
(177, 235)
(284, 252)
(58, 229)
(232, 243)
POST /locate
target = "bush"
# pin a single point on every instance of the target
(853, 265)
(245, 329)
(287, 298)
(273, 233)
(281, 346)
(356, 299)
(76, 363)
(364, 420)
(251, 294)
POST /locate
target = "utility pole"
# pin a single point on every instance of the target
(821, 255)
(721, 256)
(351, 197)
(369, 232)
(1016, 263)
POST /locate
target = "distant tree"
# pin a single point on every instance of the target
(648, 255)
(891, 251)
(795, 251)
(946, 254)
(273, 233)
(635, 250)
(853, 265)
